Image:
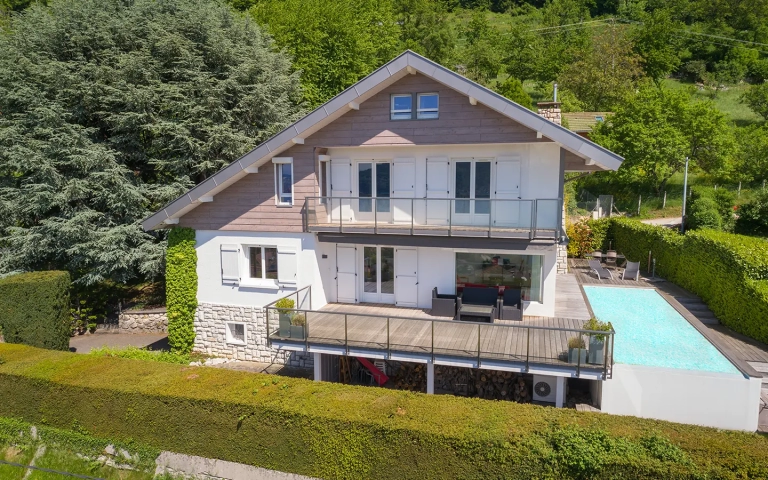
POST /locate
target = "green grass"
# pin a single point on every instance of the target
(727, 101)
(144, 354)
(66, 461)
(22, 455)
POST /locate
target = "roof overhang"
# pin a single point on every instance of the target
(350, 99)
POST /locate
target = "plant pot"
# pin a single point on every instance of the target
(297, 331)
(285, 325)
(573, 355)
(596, 351)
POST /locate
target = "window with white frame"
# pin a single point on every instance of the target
(401, 106)
(427, 106)
(283, 180)
(262, 262)
(235, 333)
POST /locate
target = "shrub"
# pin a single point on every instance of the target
(586, 236)
(136, 353)
(753, 217)
(728, 271)
(34, 309)
(181, 289)
(284, 305)
(703, 213)
(329, 430)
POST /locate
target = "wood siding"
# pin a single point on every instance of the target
(249, 204)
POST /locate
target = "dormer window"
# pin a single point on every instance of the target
(401, 107)
(428, 106)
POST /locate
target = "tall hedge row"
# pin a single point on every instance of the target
(181, 288)
(729, 272)
(335, 431)
(34, 309)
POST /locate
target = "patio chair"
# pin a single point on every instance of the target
(601, 272)
(597, 255)
(511, 304)
(443, 305)
(631, 272)
(610, 258)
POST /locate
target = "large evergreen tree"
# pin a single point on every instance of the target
(109, 109)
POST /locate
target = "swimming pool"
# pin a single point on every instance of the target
(649, 331)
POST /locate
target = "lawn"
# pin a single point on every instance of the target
(727, 101)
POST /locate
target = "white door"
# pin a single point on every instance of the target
(346, 274)
(403, 180)
(341, 187)
(378, 274)
(507, 187)
(438, 187)
(406, 277)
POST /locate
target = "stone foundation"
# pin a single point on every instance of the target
(143, 321)
(562, 259)
(211, 336)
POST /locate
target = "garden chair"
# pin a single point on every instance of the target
(610, 258)
(632, 272)
(601, 272)
(510, 306)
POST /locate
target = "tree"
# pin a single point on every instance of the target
(753, 217)
(481, 55)
(657, 128)
(657, 41)
(757, 99)
(558, 45)
(512, 89)
(425, 29)
(752, 163)
(604, 73)
(334, 43)
(111, 109)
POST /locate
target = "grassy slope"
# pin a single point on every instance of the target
(728, 101)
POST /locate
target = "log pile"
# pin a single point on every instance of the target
(487, 384)
(410, 376)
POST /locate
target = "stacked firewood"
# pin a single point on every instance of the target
(410, 376)
(488, 384)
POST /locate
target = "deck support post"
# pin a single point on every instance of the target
(317, 361)
(430, 377)
(560, 393)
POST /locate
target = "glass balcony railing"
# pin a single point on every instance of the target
(505, 218)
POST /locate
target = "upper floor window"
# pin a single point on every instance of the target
(427, 105)
(401, 107)
(263, 262)
(283, 180)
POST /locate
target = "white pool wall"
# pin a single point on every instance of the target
(720, 400)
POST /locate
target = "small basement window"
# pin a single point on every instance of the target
(428, 106)
(401, 107)
(235, 333)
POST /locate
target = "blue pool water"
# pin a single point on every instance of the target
(649, 331)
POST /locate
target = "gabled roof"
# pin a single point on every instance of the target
(405, 63)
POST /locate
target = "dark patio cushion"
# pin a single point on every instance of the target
(480, 296)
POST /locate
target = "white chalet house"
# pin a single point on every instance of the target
(412, 179)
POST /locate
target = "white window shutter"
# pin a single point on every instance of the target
(287, 270)
(230, 264)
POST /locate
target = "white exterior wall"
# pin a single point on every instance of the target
(212, 290)
(718, 400)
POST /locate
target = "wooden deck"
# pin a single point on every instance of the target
(414, 331)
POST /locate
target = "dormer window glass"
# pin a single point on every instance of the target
(401, 107)
(428, 106)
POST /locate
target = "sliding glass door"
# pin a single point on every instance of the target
(472, 181)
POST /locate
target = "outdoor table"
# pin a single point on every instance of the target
(477, 311)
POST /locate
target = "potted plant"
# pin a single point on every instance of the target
(284, 307)
(577, 350)
(298, 321)
(596, 341)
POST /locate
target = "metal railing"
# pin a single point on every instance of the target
(523, 345)
(493, 217)
(298, 300)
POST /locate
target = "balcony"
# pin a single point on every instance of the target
(536, 345)
(494, 218)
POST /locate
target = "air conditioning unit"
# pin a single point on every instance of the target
(544, 388)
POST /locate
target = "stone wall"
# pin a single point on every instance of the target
(211, 336)
(562, 258)
(143, 321)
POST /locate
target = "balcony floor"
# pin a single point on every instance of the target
(434, 230)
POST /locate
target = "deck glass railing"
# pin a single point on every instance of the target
(519, 344)
(511, 218)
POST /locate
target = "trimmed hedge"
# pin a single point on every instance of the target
(181, 289)
(337, 431)
(34, 309)
(729, 272)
